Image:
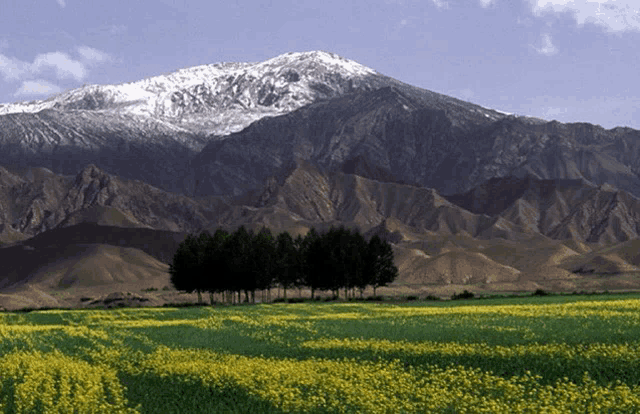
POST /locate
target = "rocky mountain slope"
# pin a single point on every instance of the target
(390, 134)
(468, 196)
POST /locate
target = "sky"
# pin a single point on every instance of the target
(568, 60)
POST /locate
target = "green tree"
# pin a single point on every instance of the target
(359, 250)
(336, 245)
(380, 263)
(263, 260)
(237, 250)
(288, 262)
(217, 280)
(187, 270)
(314, 261)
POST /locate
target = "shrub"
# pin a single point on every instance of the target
(464, 295)
(540, 292)
(181, 305)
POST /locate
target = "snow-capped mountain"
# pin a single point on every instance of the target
(221, 98)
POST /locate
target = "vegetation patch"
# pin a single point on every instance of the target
(531, 354)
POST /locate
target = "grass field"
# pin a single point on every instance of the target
(537, 354)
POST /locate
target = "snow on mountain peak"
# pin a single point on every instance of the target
(220, 98)
(306, 60)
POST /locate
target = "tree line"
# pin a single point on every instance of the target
(244, 261)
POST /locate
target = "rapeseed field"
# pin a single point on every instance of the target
(528, 355)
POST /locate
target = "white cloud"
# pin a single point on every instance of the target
(117, 29)
(12, 69)
(613, 15)
(547, 47)
(62, 3)
(36, 87)
(486, 3)
(91, 55)
(64, 66)
(441, 4)
(550, 112)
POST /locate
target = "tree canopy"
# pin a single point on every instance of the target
(246, 261)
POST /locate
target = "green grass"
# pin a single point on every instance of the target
(282, 330)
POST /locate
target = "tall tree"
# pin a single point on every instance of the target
(216, 263)
(314, 259)
(237, 249)
(263, 260)
(187, 269)
(288, 269)
(381, 263)
(182, 266)
(337, 245)
(359, 250)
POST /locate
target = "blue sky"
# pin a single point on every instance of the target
(574, 61)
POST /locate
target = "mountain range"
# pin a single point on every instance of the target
(99, 185)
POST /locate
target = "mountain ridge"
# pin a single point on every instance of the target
(467, 196)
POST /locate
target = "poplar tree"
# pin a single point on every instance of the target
(380, 263)
(288, 262)
(216, 264)
(187, 270)
(263, 261)
(238, 252)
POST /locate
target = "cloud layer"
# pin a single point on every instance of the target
(36, 87)
(54, 66)
(612, 15)
(547, 47)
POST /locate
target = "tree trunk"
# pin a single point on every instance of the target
(211, 298)
(269, 294)
(312, 291)
(374, 290)
(199, 296)
(284, 289)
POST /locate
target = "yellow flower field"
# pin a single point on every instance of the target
(533, 355)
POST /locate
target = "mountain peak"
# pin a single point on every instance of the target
(221, 98)
(315, 58)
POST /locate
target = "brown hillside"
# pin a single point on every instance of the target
(102, 215)
(99, 264)
(463, 268)
(602, 264)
